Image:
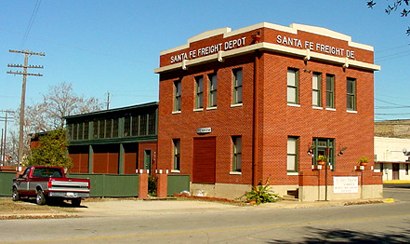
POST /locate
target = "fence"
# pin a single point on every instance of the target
(107, 185)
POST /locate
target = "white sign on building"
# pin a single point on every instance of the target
(345, 184)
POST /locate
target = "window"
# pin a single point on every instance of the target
(108, 128)
(127, 125)
(407, 169)
(134, 125)
(199, 92)
(212, 90)
(237, 154)
(351, 94)
(177, 154)
(292, 160)
(316, 89)
(323, 147)
(86, 130)
(101, 128)
(75, 131)
(237, 86)
(330, 91)
(177, 95)
(152, 123)
(293, 86)
(143, 125)
(115, 127)
(95, 129)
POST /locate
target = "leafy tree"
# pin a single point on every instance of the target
(394, 6)
(51, 150)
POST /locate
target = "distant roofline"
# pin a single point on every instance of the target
(114, 110)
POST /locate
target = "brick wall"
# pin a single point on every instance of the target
(275, 120)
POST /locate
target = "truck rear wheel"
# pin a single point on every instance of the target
(40, 198)
(76, 202)
(15, 195)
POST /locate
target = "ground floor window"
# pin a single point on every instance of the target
(237, 154)
(176, 152)
(292, 154)
(323, 148)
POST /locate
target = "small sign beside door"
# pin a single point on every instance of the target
(204, 130)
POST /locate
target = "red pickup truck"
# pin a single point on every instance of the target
(49, 183)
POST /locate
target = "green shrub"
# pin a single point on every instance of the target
(152, 185)
(261, 194)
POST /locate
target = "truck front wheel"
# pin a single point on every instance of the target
(76, 202)
(15, 195)
(40, 198)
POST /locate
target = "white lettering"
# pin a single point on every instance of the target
(235, 43)
(178, 57)
(289, 41)
(350, 54)
(309, 45)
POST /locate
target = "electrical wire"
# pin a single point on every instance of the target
(31, 22)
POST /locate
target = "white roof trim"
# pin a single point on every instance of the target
(293, 29)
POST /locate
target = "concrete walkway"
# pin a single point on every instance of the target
(133, 207)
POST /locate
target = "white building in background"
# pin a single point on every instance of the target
(392, 157)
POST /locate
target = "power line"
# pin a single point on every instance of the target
(24, 73)
(31, 21)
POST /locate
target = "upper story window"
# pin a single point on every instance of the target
(316, 89)
(330, 91)
(212, 88)
(351, 94)
(177, 95)
(237, 86)
(199, 92)
(293, 86)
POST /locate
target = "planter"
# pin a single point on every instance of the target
(321, 162)
(363, 163)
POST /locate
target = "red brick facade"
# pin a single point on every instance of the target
(265, 52)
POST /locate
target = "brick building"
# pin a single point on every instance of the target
(260, 103)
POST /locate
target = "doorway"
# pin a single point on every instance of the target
(396, 170)
(147, 160)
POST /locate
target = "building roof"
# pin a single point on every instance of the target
(392, 128)
(308, 46)
(114, 110)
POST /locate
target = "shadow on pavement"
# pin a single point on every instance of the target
(349, 236)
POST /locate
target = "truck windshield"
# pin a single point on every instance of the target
(47, 172)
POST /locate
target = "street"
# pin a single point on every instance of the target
(388, 223)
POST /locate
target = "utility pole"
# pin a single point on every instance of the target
(24, 73)
(4, 138)
(108, 100)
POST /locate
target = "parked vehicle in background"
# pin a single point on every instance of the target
(48, 183)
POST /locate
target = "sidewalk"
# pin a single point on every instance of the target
(141, 207)
(134, 207)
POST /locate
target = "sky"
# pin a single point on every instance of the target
(112, 47)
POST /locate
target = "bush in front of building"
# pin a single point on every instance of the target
(261, 194)
(152, 185)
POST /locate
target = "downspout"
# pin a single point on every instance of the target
(255, 114)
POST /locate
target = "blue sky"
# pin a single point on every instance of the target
(113, 46)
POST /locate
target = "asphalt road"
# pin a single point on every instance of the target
(218, 223)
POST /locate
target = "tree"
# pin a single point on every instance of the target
(48, 115)
(394, 6)
(59, 102)
(51, 150)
